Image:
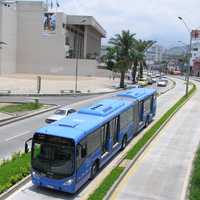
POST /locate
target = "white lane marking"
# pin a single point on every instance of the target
(16, 136)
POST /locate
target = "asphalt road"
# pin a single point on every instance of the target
(162, 172)
(31, 192)
(58, 100)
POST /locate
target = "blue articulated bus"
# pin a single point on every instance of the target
(67, 153)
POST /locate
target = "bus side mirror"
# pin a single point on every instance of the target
(26, 150)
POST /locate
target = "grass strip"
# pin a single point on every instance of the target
(14, 170)
(152, 131)
(107, 183)
(20, 107)
(194, 186)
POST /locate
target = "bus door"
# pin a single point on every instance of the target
(82, 163)
(114, 127)
(141, 114)
(105, 140)
(136, 117)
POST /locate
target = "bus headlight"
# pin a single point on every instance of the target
(68, 182)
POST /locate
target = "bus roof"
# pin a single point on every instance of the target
(138, 93)
(77, 125)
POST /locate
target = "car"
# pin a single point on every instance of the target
(164, 79)
(157, 75)
(154, 80)
(162, 83)
(149, 80)
(60, 114)
(143, 82)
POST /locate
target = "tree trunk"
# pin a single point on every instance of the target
(122, 77)
(134, 71)
(141, 70)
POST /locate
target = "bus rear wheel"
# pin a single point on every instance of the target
(94, 170)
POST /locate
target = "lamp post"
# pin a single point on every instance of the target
(189, 56)
(77, 57)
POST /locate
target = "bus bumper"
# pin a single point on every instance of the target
(67, 185)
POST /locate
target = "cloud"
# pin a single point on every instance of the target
(149, 19)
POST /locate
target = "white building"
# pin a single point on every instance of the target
(154, 54)
(42, 42)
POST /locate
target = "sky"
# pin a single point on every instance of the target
(149, 19)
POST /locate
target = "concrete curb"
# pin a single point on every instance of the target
(60, 95)
(14, 188)
(124, 173)
(15, 119)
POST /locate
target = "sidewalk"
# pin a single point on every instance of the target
(26, 84)
(162, 172)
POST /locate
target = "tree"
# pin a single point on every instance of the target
(122, 46)
(141, 46)
(110, 58)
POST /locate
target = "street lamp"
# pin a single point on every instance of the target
(77, 56)
(189, 50)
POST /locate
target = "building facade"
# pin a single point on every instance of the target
(45, 42)
(154, 54)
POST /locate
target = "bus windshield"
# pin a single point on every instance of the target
(53, 156)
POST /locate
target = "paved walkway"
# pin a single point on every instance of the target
(162, 173)
(24, 84)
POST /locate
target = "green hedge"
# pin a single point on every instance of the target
(14, 170)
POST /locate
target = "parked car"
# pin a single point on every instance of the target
(60, 114)
(162, 83)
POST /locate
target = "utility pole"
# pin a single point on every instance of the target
(189, 56)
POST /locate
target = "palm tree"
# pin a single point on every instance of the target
(141, 47)
(123, 44)
(110, 58)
